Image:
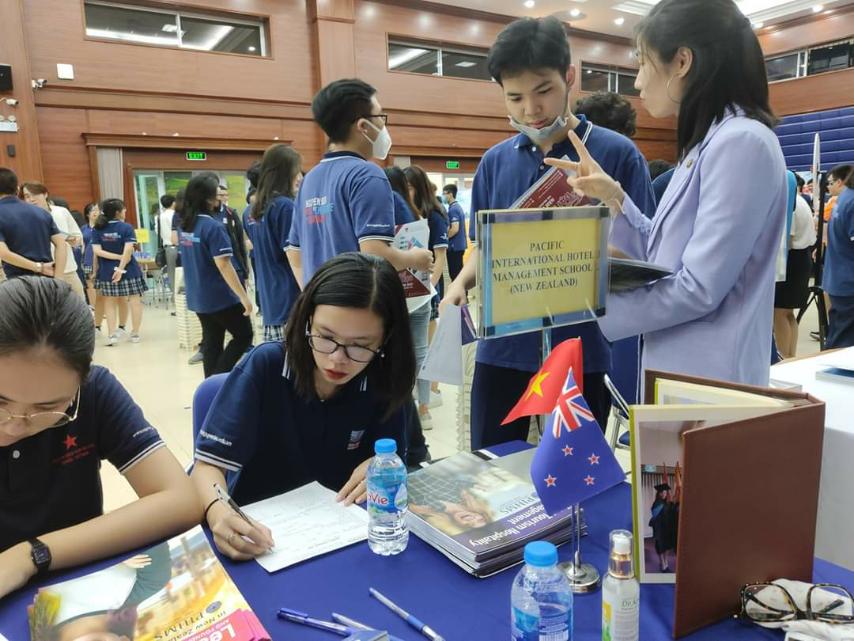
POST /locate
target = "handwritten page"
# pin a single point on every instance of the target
(306, 523)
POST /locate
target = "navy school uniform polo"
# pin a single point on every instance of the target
(207, 291)
(277, 440)
(438, 225)
(402, 212)
(52, 480)
(838, 278)
(277, 287)
(113, 239)
(506, 171)
(26, 230)
(457, 243)
(342, 201)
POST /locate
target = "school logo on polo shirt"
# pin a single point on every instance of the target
(355, 439)
(317, 209)
(74, 450)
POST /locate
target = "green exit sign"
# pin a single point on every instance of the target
(197, 155)
(452, 164)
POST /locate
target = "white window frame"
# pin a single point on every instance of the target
(260, 23)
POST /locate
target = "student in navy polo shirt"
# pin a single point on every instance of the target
(531, 61)
(345, 203)
(118, 275)
(234, 226)
(310, 409)
(59, 418)
(838, 279)
(214, 289)
(403, 206)
(428, 207)
(456, 232)
(26, 234)
(269, 223)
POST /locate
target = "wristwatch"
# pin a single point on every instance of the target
(40, 555)
(41, 267)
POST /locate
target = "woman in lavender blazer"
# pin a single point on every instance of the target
(719, 223)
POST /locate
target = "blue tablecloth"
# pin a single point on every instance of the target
(458, 606)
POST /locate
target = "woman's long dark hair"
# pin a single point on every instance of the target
(198, 196)
(280, 167)
(425, 199)
(110, 209)
(728, 69)
(360, 281)
(399, 184)
(45, 312)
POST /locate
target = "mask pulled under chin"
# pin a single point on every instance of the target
(382, 145)
(539, 136)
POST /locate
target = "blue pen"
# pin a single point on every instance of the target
(412, 620)
(301, 617)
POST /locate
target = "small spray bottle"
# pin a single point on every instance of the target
(620, 592)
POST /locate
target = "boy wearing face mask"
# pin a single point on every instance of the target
(345, 203)
(530, 60)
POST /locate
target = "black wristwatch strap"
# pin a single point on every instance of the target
(40, 555)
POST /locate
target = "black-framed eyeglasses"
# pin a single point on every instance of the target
(772, 603)
(356, 353)
(42, 420)
(384, 117)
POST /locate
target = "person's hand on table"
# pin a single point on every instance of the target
(235, 538)
(356, 489)
(590, 179)
(16, 568)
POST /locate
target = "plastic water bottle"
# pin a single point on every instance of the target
(387, 500)
(541, 597)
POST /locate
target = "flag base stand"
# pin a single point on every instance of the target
(583, 577)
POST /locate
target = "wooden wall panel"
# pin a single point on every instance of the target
(813, 93)
(824, 28)
(56, 34)
(13, 51)
(65, 158)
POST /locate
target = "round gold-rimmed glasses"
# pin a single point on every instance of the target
(42, 420)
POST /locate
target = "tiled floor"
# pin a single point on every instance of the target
(160, 380)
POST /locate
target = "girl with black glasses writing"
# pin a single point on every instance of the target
(311, 408)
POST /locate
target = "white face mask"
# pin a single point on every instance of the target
(382, 144)
(539, 136)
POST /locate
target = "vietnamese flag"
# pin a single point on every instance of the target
(546, 385)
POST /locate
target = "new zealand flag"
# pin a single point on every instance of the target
(573, 461)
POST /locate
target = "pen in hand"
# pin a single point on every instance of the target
(223, 496)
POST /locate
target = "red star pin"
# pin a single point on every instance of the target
(70, 441)
(594, 459)
(567, 451)
(550, 481)
(589, 480)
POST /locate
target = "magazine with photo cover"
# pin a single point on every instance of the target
(174, 591)
(475, 509)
